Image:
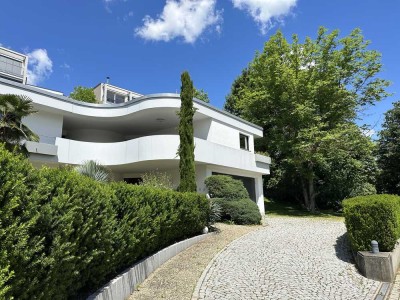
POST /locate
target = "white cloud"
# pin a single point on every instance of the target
(180, 18)
(65, 66)
(266, 12)
(40, 66)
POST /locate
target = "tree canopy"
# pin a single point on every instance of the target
(306, 96)
(201, 95)
(186, 145)
(13, 132)
(83, 94)
(389, 152)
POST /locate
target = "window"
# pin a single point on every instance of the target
(244, 142)
(115, 98)
(11, 66)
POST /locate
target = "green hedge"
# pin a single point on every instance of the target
(63, 235)
(239, 211)
(373, 217)
(150, 219)
(223, 186)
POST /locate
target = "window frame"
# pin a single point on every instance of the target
(246, 141)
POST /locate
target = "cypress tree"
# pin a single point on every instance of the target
(186, 146)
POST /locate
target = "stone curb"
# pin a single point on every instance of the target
(196, 294)
(125, 283)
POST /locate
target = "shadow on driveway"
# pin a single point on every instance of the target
(343, 250)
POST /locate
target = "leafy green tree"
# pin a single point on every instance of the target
(389, 152)
(13, 108)
(306, 96)
(94, 170)
(83, 94)
(186, 146)
(201, 95)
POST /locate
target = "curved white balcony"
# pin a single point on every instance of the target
(153, 148)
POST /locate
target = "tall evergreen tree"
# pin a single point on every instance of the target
(186, 146)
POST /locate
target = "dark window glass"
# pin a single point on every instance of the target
(244, 142)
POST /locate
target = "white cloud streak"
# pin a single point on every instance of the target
(40, 66)
(266, 12)
(187, 19)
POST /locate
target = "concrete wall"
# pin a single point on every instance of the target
(123, 286)
(98, 92)
(153, 148)
(221, 133)
(381, 266)
(47, 125)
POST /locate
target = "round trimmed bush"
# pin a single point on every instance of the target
(239, 211)
(373, 217)
(223, 186)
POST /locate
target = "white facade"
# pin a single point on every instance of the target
(141, 135)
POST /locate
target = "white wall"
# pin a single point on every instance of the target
(221, 133)
(47, 125)
(153, 148)
(201, 128)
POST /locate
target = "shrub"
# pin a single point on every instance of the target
(215, 212)
(94, 170)
(63, 234)
(157, 179)
(20, 247)
(78, 224)
(150, 219)
(223, 186)
(240, 211)
(373, 217)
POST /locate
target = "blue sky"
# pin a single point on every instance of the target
(145, 45)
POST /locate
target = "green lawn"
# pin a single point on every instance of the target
(282, 209)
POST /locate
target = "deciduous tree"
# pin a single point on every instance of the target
(306, 96)
(389, 152)
(83, 94)
(201, 95)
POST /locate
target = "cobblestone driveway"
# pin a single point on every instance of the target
(291, 258)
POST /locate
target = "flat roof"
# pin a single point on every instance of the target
(124, 104)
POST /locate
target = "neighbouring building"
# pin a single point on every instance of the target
(133, 134)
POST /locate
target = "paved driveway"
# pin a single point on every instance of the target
(291, 258)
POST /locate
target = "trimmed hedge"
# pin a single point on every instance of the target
(239, 211)
(373, 217)
(63, 235)
(150, 219)
(223, 186)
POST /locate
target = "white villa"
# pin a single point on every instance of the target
(133, 133)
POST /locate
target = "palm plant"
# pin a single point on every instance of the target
(94, 170)
(13, 108)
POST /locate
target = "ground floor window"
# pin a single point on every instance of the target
(134, 180)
